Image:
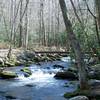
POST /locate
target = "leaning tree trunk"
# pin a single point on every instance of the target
(76, 46)
(97, 4)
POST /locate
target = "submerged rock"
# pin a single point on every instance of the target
(58, 66)
(8, 74)
(66, 75)
(10, 97)
(27, 72)
(79, 98)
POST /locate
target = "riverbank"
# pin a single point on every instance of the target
(26, 58)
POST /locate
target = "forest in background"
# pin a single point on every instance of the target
(35, 23)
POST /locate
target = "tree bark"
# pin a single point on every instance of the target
(76, 47)
(20, 26)
(26, 26)
(97, 4)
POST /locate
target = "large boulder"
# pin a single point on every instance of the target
(79, 98)
(26, 71)
(66, 75)
(8, 74)
(26, 56)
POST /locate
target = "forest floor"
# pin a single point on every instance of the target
(4, 52)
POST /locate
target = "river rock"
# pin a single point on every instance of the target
(73, 69)
(94, 83)
(8, 74)
(66, 75)
(9, 64)
(96, 67)
(25, 56)
(1, 61)
(29, 54)
(8, 97)
(94, 75)
(79, 98)
(93, 60)
(26, 71)
(58, 66)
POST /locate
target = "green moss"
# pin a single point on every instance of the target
(97, 98)
(26, 70)
(76, 93)
(8, 74)
(72, 94)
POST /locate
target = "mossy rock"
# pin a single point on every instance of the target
(88, 93)
(71, 94)
(9, 64)
(18, 63)
(27, 71)
(8, 74)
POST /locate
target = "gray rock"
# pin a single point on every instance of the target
(26, 55)
(94, 75)
(66, 75)
(94, 83)
(1, 61)
(93, 60)
(79, 98)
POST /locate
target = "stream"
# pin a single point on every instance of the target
(41, 85)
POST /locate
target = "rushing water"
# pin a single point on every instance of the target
(41, 85)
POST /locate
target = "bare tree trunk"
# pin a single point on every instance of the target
(14, 23)
(58, 23)
(11, 19)
(20, 27)
(76, 46)
(97, 4)
(26, 25)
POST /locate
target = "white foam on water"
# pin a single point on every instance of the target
(66, 59)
